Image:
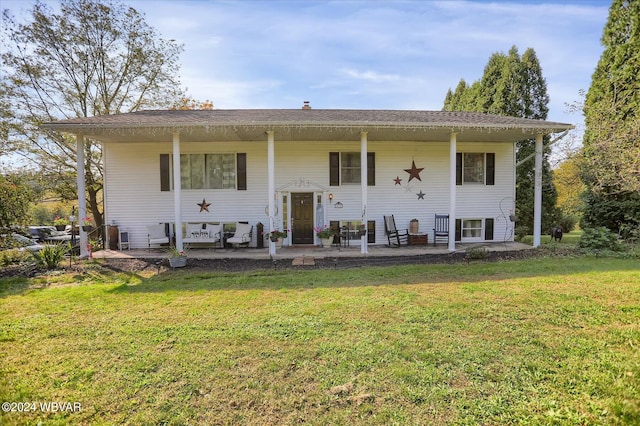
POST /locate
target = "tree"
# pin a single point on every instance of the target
(89, 58)
(187, 103)
(611, 150)
(513, 85)
(15, 196)
(569, 187)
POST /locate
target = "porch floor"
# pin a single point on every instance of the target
(294, 252)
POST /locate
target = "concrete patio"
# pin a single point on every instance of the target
(298, 252)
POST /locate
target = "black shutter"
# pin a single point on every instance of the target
(458, 168)
(371, 169)
(488, 229)
(371, 231)
(241, 160)
(491, 168)
(458, 229)
(335, 227)
(165, 173)
(334, 169)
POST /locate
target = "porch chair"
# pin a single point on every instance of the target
(441, 228)
(396, 238)
(156, 234)
(123, 240)
(242, 236)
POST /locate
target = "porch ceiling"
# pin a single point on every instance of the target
(305, 126)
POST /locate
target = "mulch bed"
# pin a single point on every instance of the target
(247, 265)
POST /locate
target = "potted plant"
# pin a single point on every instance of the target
(325, 234)
(177, 258)
(275, 235)
(87, 224)
(60, 223)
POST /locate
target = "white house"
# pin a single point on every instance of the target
(296, 169)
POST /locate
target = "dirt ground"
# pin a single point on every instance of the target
(245, 265)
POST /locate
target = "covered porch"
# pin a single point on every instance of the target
(291, 253)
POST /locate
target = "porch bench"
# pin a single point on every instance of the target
(203, 233)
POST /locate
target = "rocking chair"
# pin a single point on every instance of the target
(396, 238)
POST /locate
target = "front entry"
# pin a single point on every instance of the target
(302, 218)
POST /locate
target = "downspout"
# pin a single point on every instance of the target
(364, 247)
(452, 191)
(177, 192)
(82, 197)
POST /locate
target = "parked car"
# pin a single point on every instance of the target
(48, 234)
(26, 244)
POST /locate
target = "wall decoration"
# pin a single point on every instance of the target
(204, 205)
(397, 180)
(414, 172)
(421, 195)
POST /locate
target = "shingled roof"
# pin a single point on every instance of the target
(304, 124)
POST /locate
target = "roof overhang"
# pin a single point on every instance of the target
(305, 125)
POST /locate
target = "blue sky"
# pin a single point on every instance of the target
(370, 54)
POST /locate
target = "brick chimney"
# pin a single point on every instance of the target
(306, 105)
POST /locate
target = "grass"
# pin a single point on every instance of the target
(542, 341)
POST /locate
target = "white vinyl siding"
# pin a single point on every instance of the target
(134, 200)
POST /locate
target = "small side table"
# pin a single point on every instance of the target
(418, 239)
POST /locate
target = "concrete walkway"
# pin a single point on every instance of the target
(307, 252)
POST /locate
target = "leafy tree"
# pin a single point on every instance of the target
(187, 103)
(15, 196)
(513, 85)
(88, 58)
(611, 152)
(569, 187)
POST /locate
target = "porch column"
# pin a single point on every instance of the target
(452, 191)
(537, 194)
(271, 191)
(82, 197)
(177, 191)
(364, 248)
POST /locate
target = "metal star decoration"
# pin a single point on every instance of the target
(204, 206)
(397, 180)
(421, 195)
(414, 172)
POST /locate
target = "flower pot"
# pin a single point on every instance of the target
(326, 242)
(87, 228)
(274, 238)
(60, 227)
(178, 262)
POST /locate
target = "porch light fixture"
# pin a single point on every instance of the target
(330, 198)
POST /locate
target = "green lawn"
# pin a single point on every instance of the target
(542, 341)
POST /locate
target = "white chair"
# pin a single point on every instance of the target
(123, 240)
(156, 235)
(242, 236)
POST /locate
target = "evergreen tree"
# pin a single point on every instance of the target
(611, 146)
(513, 85)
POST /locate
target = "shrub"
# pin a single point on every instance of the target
(520, 232)
(567, 223)
(51, 256)
(11, 257)
(477, 253)
(600, 238)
